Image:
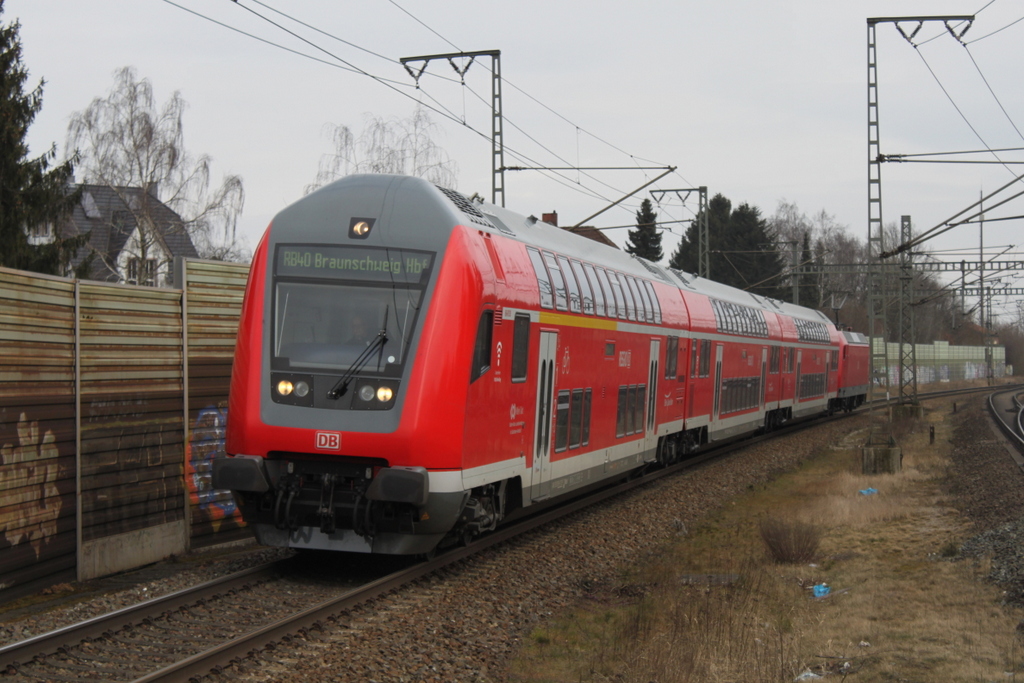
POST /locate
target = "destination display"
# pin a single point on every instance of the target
(335, 262)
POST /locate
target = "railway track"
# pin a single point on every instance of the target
(169, 638)
(1007, 408)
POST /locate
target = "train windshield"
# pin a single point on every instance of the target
(331, 302)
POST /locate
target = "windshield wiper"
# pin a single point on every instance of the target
(378, 342)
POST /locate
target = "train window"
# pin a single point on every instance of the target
(646, 296)
(520, 347)
(634, 311)
(705, 357)
(609, 349)
(644, 312)
(576, 419)
(543, 280)
(622, 297)
(641, 404)
(684, 354)
(671, 356)
(835, 359)
(631, 410)
(654, 301)
(695, 358)
(611, 284)
(620, 415)
(570, 281)
(773, 360)
(586, 293)
(595, 283)
(482, 348)
(557, 281)
(586, 416)
(562, 421)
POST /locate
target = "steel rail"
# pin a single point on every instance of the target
(13, 654)
(1015, 435)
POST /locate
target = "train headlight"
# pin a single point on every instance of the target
(384, 394)
(291, 389)
(366, 392)
(359, 228)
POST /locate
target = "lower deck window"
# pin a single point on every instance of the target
(630, 415)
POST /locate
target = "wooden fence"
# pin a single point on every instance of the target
(113, 404)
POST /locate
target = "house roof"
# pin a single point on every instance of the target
(590, 232)
(111, 215)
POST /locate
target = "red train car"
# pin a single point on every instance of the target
(412, 367)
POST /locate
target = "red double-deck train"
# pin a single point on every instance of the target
(413, 367)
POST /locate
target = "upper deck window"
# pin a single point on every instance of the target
(595, 283)
(570, 281)
(557, 281)
(543, 280)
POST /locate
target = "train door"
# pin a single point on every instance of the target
(542, 428)
(650, 430)
(796, 387)
(764, 373)
(718, 379)
(828, 363)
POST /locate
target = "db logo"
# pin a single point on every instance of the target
(330, 441)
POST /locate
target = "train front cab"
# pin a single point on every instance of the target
(339, 445)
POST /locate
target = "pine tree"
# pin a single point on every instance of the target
(645, 241)
(742, 251)
(810, 292)
(31, 192)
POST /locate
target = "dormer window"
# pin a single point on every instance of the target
(41, 233)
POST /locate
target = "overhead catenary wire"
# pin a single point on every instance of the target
(451, 115)
(511, 84)
(449, 79)
(391, 84)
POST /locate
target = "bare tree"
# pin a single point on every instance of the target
(404, 146)
(127, 143)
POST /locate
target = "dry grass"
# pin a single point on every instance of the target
(899, 611)
(789, 542)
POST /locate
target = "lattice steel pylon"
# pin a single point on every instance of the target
(497, 130)
(703, 262)
(876, 237)
(876, 245)
(908, 355)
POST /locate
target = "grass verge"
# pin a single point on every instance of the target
(733, 600)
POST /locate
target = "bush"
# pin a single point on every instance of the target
(790, 542)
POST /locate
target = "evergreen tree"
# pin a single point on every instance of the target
(685, 257)
(32, 193)
(645, 241)
(742, 250)
(810, 292)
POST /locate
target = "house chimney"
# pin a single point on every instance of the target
(551, 218)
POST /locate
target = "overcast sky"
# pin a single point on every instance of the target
(759, 101)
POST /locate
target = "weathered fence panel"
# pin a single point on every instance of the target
(213, 300)
(132, 431)
(113, 404)
(37, 430)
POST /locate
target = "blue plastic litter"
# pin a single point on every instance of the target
(821, 590)
(868, 492)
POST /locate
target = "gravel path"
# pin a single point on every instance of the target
(989, 490)
(465, 624)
